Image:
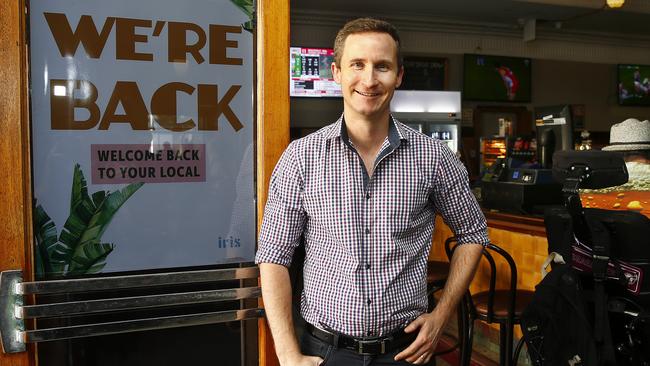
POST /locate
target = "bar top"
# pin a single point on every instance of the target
(532, 225)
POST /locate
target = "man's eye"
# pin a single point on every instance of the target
(357, 65)
(382, 67)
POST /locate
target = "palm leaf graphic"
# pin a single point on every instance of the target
(46, 237)
(79, 249)
(248, 8)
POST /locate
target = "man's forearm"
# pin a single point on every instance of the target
(276, 292)
(461, 271)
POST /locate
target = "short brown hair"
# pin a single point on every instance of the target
(364, 25)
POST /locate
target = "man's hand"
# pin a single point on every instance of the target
(429, 327)
(461, 270)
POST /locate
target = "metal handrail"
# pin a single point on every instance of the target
(14, 337)
(136, 325)
(134, 281)
(134, 302)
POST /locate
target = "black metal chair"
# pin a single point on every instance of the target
(437, 273)
(502, 306)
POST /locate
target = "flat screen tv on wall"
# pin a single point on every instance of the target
(424, 73)
(497, 78)
(310, 73)
(634, 85)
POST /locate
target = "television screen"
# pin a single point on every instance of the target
(311, 73)
(496, 78)
(634, 85)
(423, 73)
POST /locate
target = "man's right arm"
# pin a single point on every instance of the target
(276, 293)
(282, 227)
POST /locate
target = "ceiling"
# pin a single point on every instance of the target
(588, 16)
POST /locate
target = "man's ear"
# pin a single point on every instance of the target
(400, 75)
(336, 72)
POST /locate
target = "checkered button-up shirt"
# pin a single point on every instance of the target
(366, 238)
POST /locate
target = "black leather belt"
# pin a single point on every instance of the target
(364, 346)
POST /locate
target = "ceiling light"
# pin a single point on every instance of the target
(615, 3)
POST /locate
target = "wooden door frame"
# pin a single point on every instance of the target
(272, 117)
(15, 172)
(15, 176)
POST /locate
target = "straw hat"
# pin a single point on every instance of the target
(628, 135)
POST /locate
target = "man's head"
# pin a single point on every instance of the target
(632, 138)
(366, 25)
(368, 68)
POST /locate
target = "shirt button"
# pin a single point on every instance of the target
(369, 301)
(367, 231)
(367, 196)
(367, 266)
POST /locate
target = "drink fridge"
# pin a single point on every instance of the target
(434, 113)
(491, 149)
(519, 150)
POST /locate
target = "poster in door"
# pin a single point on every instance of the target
(142, 134)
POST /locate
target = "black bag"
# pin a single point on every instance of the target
(556, 324)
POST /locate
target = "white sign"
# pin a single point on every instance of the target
(142, 127)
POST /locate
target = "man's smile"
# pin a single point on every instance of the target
(367, 94)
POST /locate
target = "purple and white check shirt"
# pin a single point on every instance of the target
(366, 237)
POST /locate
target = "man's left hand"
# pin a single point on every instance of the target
(429, 327)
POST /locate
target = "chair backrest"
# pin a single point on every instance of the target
(488, 251)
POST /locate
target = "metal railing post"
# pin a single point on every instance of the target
(11, 326)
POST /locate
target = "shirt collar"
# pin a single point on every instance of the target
(395, 132)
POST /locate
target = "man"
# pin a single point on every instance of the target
(642, 87)
(362, 194)
(510, 81)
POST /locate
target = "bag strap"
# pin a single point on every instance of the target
(554, 257)
(601, 245)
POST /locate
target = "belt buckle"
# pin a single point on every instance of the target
(361, 342)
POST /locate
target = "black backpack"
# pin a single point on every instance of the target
(556, 323)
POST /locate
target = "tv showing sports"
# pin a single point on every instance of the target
(311, 73)
(634, 85)
(497, 78)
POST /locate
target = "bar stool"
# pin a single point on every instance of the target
(502, 306)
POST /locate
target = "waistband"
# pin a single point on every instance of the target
(363, 346)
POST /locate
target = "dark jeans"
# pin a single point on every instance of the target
(331, 356)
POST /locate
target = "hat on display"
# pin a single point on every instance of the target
(628, 135)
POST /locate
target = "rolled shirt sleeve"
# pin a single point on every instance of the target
(284, 214)
(455, 202)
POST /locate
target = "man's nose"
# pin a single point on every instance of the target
(369, 76)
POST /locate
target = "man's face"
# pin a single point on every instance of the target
(368, 74)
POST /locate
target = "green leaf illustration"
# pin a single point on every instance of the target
(248, 7)
(79, 249)
(46, 237)
(91, 258)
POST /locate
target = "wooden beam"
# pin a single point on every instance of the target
(272, 116)
(15, 194)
